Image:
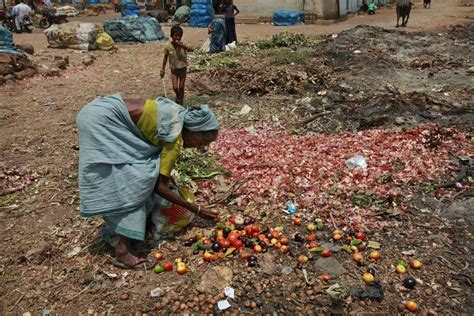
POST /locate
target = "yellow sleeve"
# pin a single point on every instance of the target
(169, 155)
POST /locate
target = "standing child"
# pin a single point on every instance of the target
(176, 51)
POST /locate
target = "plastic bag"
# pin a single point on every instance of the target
(372, 291)
(104, 41)
(357, 162)
(167, 218)
(206, 47)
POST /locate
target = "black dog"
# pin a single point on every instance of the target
(427, 4)
(403, 11)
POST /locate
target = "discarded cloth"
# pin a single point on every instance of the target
(217, 43)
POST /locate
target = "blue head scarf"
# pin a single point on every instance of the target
(201, 119)
(173, 117)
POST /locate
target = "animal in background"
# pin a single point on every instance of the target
(403, 11)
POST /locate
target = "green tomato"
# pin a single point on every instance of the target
(159, 268)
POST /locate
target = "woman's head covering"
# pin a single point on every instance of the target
(201, 119)
(173, 117)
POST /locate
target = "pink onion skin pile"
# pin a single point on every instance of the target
(311, 170)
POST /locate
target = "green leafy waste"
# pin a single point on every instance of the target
(194, 165)
(8, 199)
(204, 61)
(286, 39)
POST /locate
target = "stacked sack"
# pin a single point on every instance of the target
(134, 30)
(129, 8)
(202, 13)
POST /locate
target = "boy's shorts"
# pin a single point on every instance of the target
(179, 72)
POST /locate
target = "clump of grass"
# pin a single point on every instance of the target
(285, 39)
(203, 62)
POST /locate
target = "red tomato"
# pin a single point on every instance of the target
(248, 230)
(238, 244)
(225, 243)
(232, 238)
(326, 252)
(159, 256)
(244, 255)
(255, 228)
(360, 235)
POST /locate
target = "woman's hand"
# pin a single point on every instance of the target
(207, 214)
(163, 190)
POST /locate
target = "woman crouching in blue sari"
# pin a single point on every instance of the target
(128, 149)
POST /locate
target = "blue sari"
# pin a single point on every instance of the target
(118, 166)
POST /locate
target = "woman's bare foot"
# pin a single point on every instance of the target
(123, 254)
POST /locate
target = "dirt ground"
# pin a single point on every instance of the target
(370, 77)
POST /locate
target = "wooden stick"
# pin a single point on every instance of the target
(84, 290)
(333, 221)
(17, 301)
(313, 117)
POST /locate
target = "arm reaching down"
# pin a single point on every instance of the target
(162, 189)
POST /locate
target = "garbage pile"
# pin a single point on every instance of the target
(367, 77)
(258, 80)
(15, 64)
(276, 167)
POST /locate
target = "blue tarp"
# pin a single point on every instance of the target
(6, 42)
(134, 30)
(202, 13)
(287, 17)
(129, 8)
